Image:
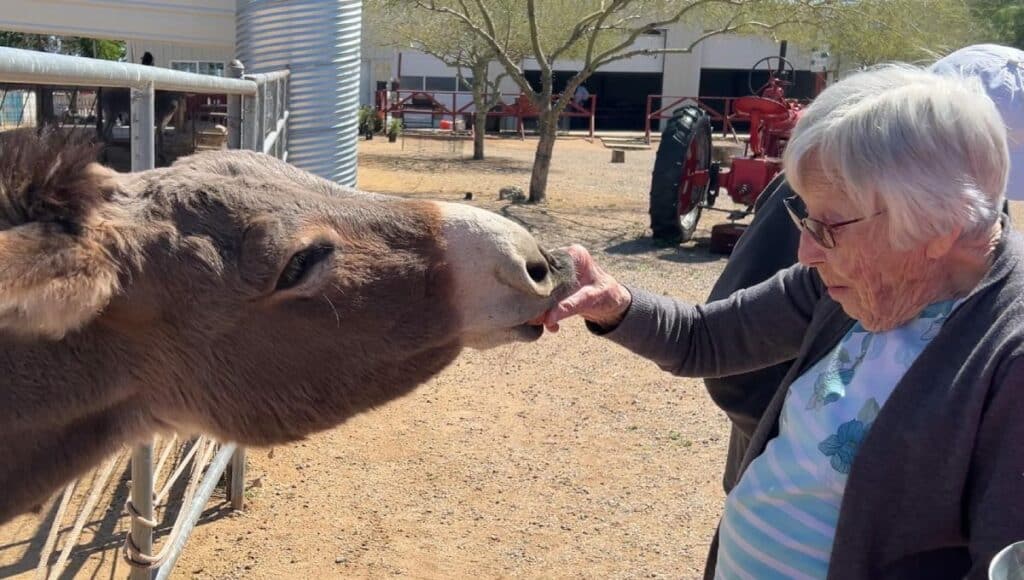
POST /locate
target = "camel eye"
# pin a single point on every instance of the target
(301, 264)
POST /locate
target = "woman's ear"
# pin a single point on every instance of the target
(941, 246)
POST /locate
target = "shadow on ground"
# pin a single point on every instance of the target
(107, 533)
(428, 161)
(697, 252)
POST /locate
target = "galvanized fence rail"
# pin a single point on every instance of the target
(257, 120)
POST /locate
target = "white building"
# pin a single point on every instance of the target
(317, 40)
(717, 67)
(199, 36)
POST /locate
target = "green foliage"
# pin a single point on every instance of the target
(866, 32)
(40, 42)
(72, 45)
(369, 120)
(394, 127)
(1001, 21)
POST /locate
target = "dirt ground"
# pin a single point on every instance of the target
(565, 458)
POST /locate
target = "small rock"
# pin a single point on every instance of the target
(512, 193)
(341, 560)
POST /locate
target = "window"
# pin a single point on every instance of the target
(202, 67)
(411, 83)
(215, 69)
(185, 66)
(467, 84)
(440, 83)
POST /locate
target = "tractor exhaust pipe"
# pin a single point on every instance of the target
(783, 46)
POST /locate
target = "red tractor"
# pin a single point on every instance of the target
(685, 180)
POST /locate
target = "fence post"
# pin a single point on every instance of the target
(250, 122)
(236, 485)
(278, 113)
(285, 106)
(254, 110)
(235, 71)
(261, 100)
(288, 108)
(143, 158)
(142, 499)
(647, 120)
(143, 127)
(593, 112)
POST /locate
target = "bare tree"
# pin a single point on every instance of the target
(454, 44)
(598, 32)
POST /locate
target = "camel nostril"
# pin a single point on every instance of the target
(538, 271)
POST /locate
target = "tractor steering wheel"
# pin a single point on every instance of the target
(774, 65)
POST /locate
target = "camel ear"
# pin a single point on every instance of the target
(55, 273)
(51, 283)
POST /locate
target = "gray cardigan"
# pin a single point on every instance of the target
(937, 487)
(769, 245)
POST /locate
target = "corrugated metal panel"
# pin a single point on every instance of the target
(319, 41)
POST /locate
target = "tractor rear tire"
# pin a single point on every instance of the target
(685, 146)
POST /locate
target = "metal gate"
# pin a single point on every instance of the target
(257, 119)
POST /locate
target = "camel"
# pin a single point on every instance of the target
(230, 294)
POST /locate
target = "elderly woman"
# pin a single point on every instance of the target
(894, 447)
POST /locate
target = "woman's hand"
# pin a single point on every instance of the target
(597, 297)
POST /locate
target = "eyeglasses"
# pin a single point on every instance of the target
(824, 234)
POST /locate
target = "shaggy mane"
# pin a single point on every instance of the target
(45, 177)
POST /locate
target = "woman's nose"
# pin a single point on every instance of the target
(809, 253)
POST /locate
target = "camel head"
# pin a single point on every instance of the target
(231, 294)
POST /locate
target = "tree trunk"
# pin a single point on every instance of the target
(480, 85)
(547, 125)
(479, 121)
(547, 129)
(479, 132)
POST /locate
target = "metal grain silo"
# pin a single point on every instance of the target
(319, 41)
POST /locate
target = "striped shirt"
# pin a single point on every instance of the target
(780, 519)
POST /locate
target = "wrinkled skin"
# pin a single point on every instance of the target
(230, 294)
(878, 285)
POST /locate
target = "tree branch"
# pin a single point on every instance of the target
(597, 30)
(577, 32)
(538, 50)
(631, 38)
(499, 51)
(729, 28)
(486, 14)
(615, 53)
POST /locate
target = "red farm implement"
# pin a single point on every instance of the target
(685, 181)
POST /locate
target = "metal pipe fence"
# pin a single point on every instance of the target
(407, 103)
(258, 120)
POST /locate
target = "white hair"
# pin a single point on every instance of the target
(929, 150)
